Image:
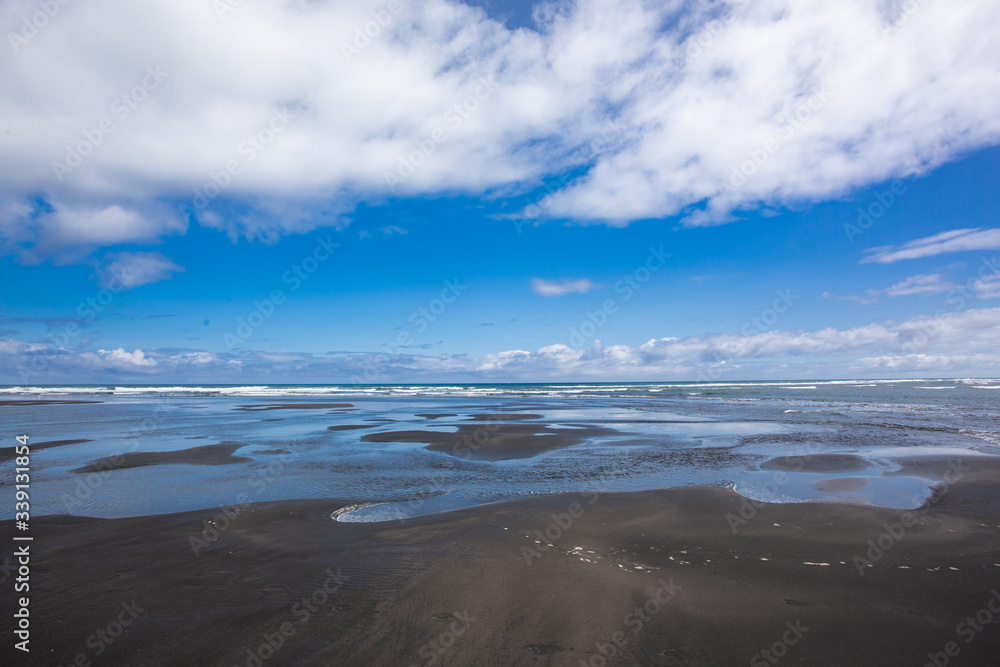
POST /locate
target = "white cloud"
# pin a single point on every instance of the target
(118, 359)
(833, 99)
(956, 240)
(559, 288)
(869, 297)
(958, 343)
(988, 287)
(922, 284)
(67, 232)
(132, 269)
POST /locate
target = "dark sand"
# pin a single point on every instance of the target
(840, 484)
(205, 455)
(461, 580)
(349, 427)
(825, 463)
(7, 453)
(43, 401)
(293, 406)
(501, 417)
(496, 441)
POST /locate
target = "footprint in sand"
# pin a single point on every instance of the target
(798, 603)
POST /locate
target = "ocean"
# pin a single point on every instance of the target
(398, 451)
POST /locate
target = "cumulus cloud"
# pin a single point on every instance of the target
(956, 240)
(67, 232)
(132, 269)
(670, 108)
(961, 342)
(559, 288)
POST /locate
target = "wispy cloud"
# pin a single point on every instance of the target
(125, 270)
(988, 287)
(922, 284)
(956, 240)
(932, 283)
(869, 297)
(559, 288)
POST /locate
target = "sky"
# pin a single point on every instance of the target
(219, 191)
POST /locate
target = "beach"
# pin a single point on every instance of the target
(649, 578)
(809, 554)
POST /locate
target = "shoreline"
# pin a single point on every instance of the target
(649, 577)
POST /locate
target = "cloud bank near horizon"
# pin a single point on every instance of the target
(950, 343)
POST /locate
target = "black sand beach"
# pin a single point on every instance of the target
(495, 441)
(690, 576)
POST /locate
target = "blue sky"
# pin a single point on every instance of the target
(657, 217)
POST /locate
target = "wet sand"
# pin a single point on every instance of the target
(651, 578)
(43, 401)
(495, 441)
(840, 484)
(8, 453)
(824, 463)
(501, 417)
(293, 406)
(219, 454)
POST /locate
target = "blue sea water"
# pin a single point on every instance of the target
(662, 435)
